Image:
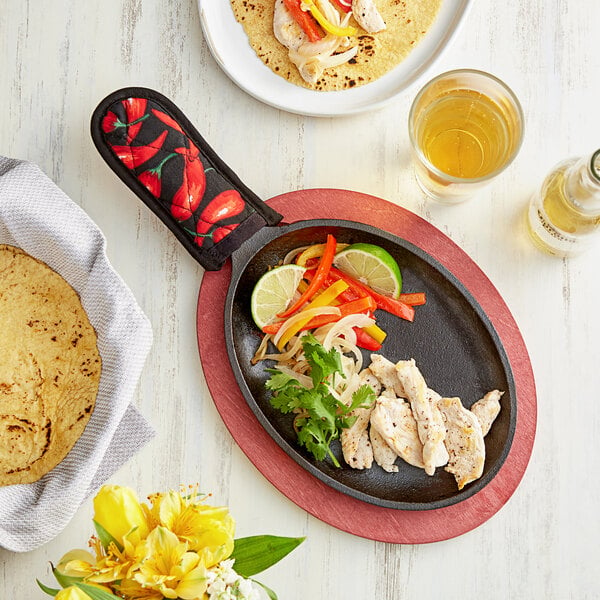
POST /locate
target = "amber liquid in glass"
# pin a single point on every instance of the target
(466, 134)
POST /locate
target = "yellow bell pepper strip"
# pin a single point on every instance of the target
(315, 251)
(375, 332)
(323, 299)
(304, 19)
(317, 281)
(327, 25)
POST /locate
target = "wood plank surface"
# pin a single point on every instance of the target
(59, 58)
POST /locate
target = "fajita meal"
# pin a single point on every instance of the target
(329, 45)
(49, 368)
(318, 309)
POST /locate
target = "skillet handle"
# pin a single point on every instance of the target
(151, 145)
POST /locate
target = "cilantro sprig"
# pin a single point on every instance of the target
(320, 415)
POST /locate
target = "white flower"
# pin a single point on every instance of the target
(223, 583)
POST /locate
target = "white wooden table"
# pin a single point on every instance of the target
(60, 57)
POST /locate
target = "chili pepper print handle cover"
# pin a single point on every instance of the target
(152, 146)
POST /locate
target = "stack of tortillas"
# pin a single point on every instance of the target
(50, 367)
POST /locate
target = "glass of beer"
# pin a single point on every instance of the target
(465, 127)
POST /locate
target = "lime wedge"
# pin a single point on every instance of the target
(371, 265)
(273, 292)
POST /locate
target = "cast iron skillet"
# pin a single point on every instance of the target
(452, 340)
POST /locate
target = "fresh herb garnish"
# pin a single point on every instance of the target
(320, 416)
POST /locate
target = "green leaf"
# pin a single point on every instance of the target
(256, 553)
(50, 591)
(96, 593)
(65, 580)
(272, 595)
(106, 538)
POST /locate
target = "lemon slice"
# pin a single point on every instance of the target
(371, 265)
(273, 292)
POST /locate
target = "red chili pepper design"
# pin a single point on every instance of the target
(188, 196)
(110, 122)
(217, 235)
(133, 156)
(135, 109)
(227, 204)
(152, 181)
(166, 119)
(221, 232)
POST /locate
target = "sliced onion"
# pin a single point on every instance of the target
(289, 354)
(261, 350)
(344, 327)
(309, 313)
(291, 255)
(339, 59)
(302, 379)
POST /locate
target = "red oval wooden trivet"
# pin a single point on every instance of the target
(325, 503)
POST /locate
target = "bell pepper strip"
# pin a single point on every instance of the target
(346, 296)
(315, 251)
(348, 308)
(318, 279)
(364, 340)
(306, 21)
(376, 333)
(327, 25)
(414, 299)
(345, 5)
(324, 299)
(391, 305)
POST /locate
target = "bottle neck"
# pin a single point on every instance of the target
(583, 183)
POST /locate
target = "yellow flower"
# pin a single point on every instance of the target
(76, 563)
(208, 530)
(116, 564)
(170, 569)
(74, 593)
(119, 512)
(71, 593)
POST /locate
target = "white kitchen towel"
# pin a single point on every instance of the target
(36, 216)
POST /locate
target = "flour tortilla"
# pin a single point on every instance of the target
(407, 21)
(49, 367)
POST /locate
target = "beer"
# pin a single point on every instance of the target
(465, 134)
(565, 213)
(465, 127)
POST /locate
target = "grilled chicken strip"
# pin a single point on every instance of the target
(385, 371)
(356, 445)
(367, 16)
(464, 441)
(383, 454)
(430, 423)
(393, 420)
(285, 28)
(487, 409)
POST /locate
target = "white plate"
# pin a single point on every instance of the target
(229, 46)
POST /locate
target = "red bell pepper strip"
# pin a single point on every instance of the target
(345, 5)
(414, 299)
(346, 296)
(318, 280)
(391, 305)
(304, 19)
(364, 340)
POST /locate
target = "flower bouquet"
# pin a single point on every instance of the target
(177, 546)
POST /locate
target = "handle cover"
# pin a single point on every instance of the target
(150, 144)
